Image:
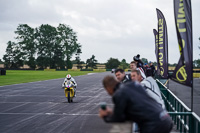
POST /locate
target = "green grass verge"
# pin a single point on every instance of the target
(25, 76)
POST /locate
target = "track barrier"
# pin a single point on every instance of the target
(184, 120)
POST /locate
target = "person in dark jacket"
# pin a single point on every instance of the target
(153, 70)
(121, 76)
(131, 103)
(138, 60)
(150, 71)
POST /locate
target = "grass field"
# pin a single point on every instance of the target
(24, 76)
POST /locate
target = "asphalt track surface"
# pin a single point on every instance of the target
(41, 107)
(184, 93)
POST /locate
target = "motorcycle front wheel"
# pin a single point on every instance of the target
(68, 98)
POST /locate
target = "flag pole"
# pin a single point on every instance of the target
(192, 90)
(192, 94)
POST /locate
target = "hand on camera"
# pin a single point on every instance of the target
(103, 113)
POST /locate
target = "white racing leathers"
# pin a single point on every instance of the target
(72, 80)
(153, 90)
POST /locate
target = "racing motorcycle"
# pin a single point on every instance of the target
(69, 91)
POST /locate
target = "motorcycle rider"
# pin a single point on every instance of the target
(70, 78)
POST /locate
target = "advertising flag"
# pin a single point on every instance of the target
(162, 45)
(156, 49)
(183, 72)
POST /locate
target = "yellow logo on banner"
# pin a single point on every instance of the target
(181, 17)
(180, 48)
(160, 46)
(181, 74)
(157, 41)
(161, 71)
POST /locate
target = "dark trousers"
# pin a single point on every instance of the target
(161, 126)
(164, 126)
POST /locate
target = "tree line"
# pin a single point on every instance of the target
(48, 46)
(53, 47)
(44, 46)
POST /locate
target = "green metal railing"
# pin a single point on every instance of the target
(184, 120)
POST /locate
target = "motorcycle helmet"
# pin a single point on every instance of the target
(68, 76)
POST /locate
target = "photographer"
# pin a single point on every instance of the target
(139, 62)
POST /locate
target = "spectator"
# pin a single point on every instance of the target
(134, 105)
(150, 71)
(145, 67)
(136, 76)
(150, 86)
(139, 62)
(153, 70)
(121, 76)
(133, 66)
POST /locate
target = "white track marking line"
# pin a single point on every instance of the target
(48, 114)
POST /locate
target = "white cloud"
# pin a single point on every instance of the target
(111, 28)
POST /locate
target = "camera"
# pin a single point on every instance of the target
(103, 105)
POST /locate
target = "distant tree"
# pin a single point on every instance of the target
(9, 57)
(199, 44)
(46, 40)
(144, 60)
(58, 57)
(1, 62)
(154, 63)
(91, 62)
(196, 63)
(68, 40)
(52, 46)
(82, 62)
(78, 59)
(173, 65)
(112, 63)
(123, 64)
(75, 62)
(26, 41)
(13, 57)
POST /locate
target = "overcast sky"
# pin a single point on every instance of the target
(105, 28)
